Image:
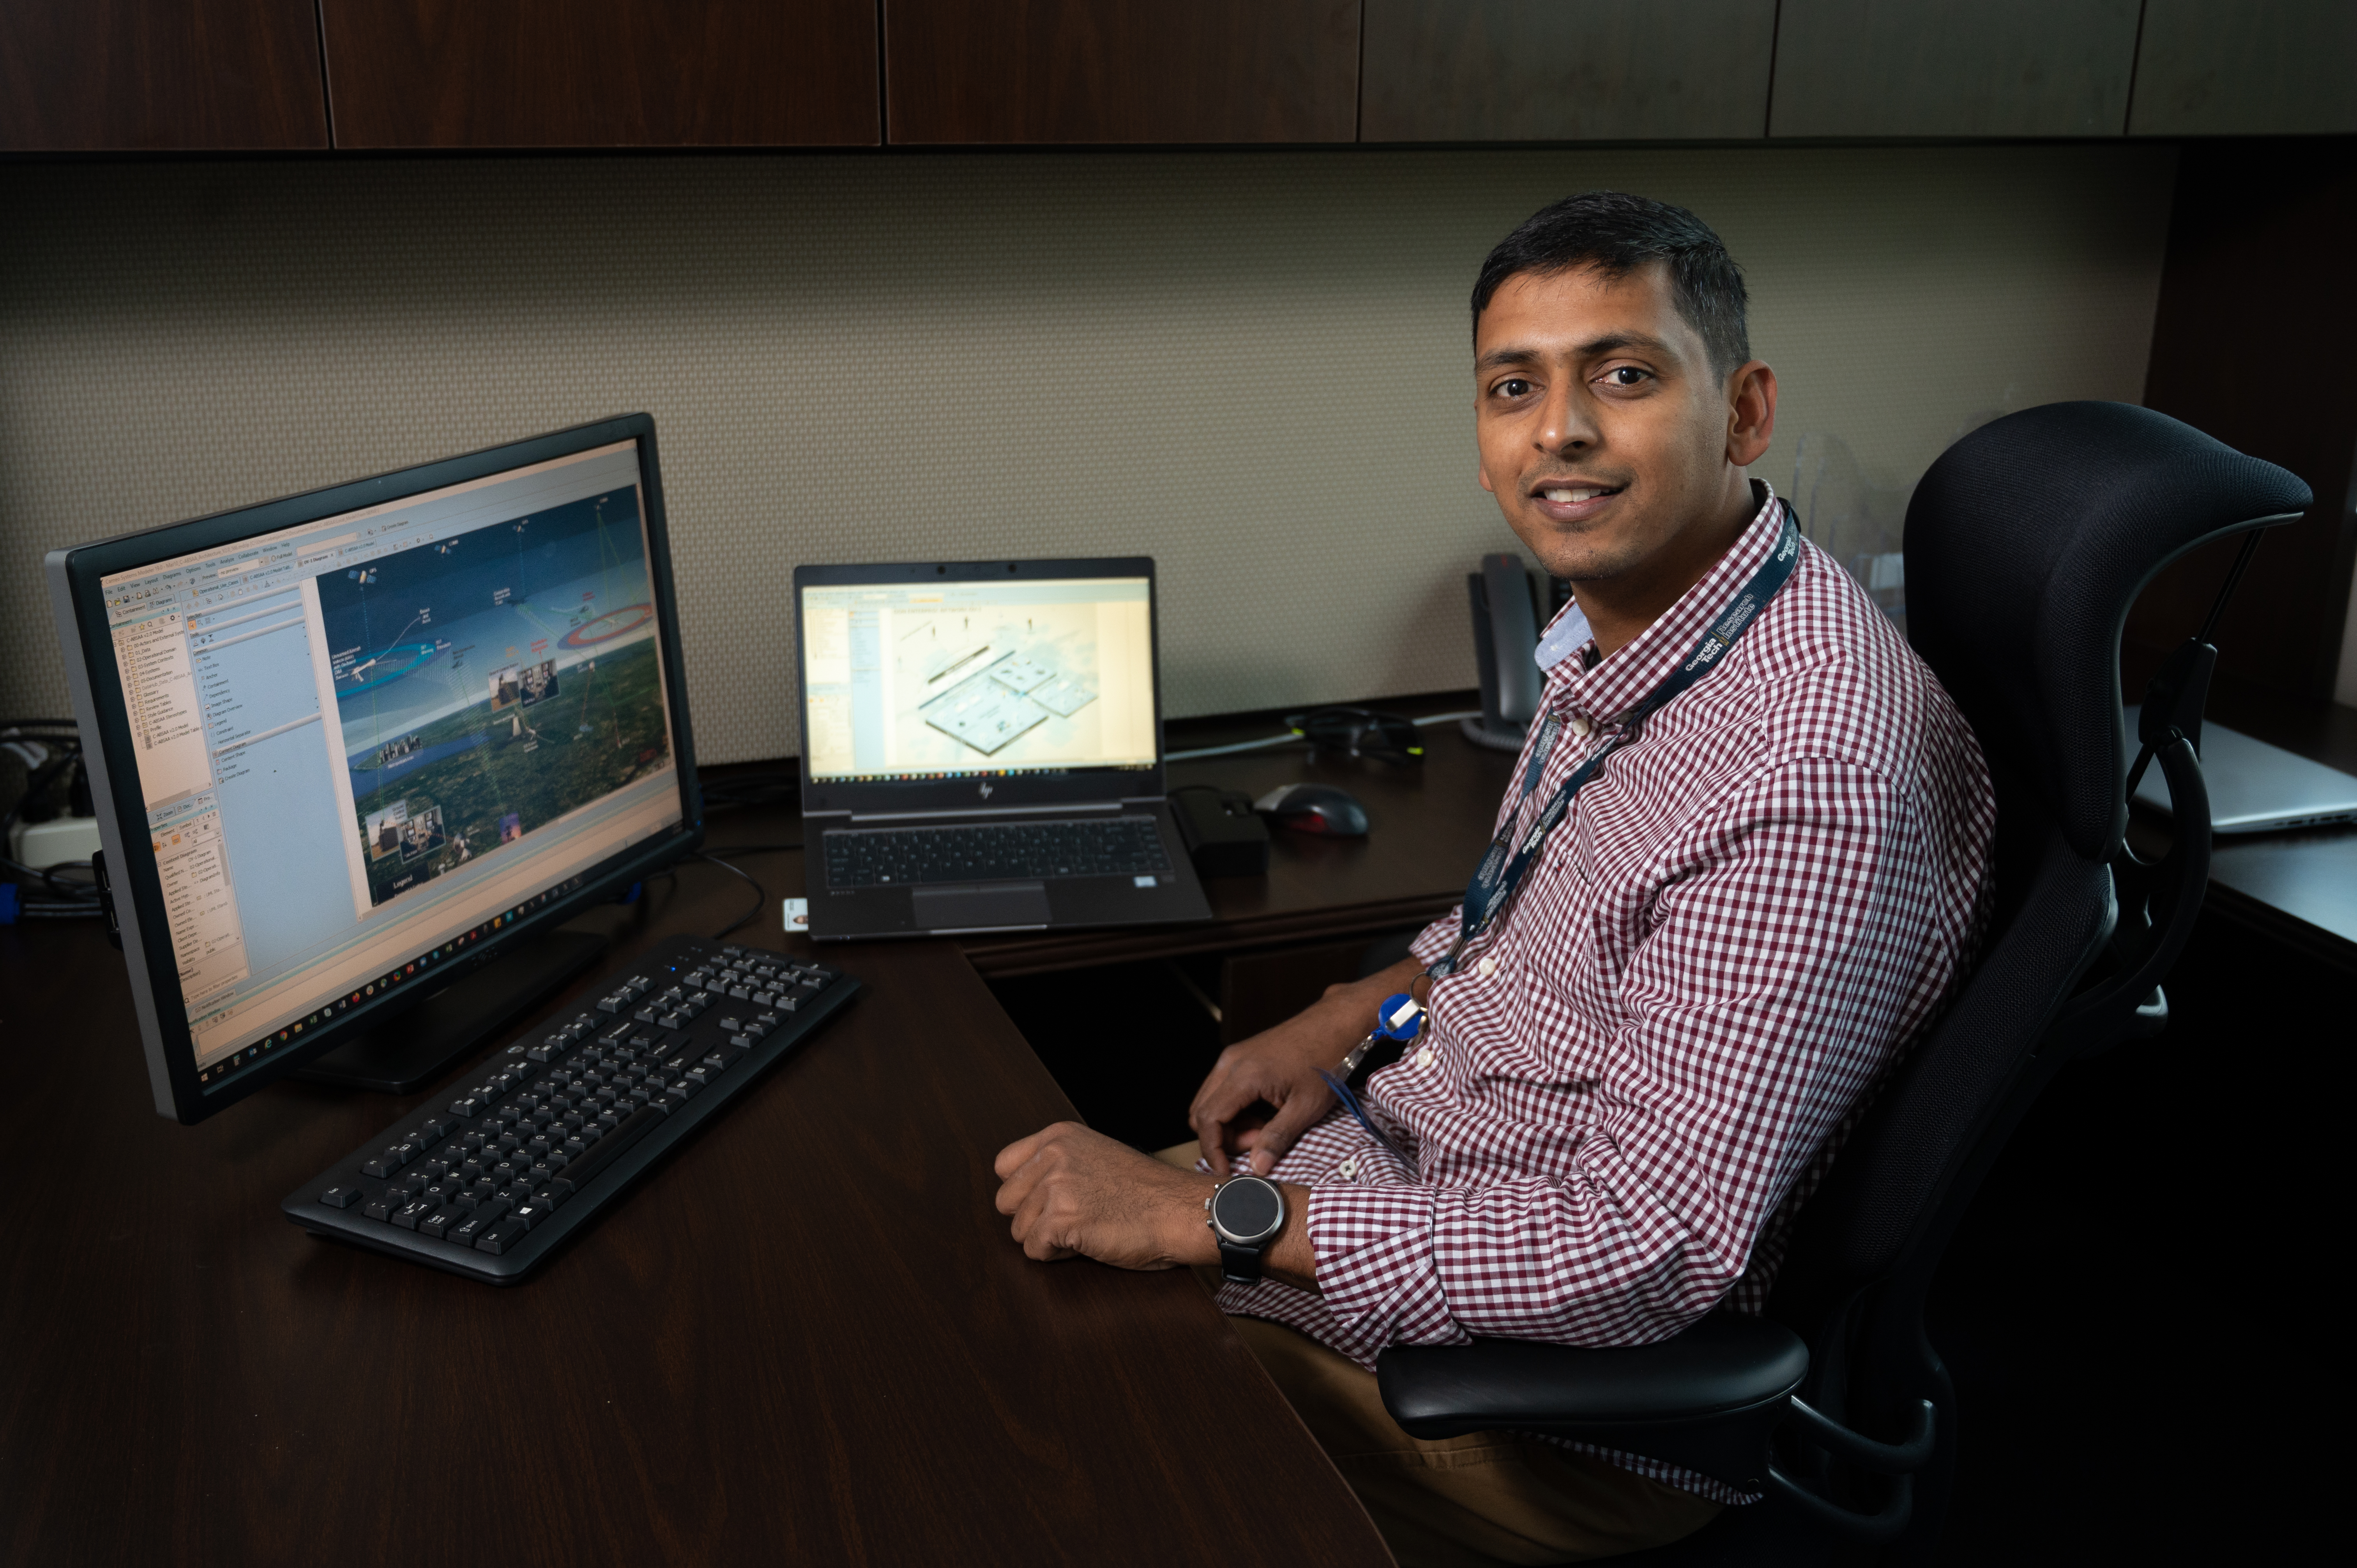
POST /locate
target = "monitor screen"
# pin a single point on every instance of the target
(954, 679)
(364, 743)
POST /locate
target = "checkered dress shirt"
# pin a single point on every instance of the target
(1633, 1079)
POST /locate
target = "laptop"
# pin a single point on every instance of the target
(2256, 787)
(982, 749)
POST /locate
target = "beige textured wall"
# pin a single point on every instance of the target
(1253, 367)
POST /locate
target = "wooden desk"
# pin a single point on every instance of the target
(807, 1337)
(1428, 826)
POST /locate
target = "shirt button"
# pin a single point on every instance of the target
(1579, 725)
(1488, 966)
(1423, 1057)
(1351, 1168)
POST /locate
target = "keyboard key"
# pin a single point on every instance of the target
(436, 1223)
(467, 1232)
(586, 1168)
(409, 1214)
(342, 1197)
(382, 1208)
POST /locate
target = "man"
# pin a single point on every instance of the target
(1631, 1076)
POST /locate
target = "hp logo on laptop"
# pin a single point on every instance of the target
(986, 788)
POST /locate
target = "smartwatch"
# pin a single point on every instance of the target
(1246, 1212)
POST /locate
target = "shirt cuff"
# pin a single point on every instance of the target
(1375, 1270)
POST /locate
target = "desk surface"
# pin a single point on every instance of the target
(805, 1337)
(1428, 825)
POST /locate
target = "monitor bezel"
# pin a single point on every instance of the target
(894, 797)
(75, 577)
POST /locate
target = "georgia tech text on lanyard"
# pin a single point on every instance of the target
(1501, 870)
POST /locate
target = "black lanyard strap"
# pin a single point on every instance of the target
(1500, 872)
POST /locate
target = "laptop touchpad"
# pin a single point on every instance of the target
(979, 904)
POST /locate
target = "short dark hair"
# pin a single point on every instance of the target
(1616, 233)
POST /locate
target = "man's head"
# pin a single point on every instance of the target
(1616, 401)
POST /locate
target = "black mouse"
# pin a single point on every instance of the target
(1315, 809)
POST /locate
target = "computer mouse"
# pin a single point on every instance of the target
(1314, 808)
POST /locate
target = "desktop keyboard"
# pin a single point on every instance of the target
(487, 1181)
(1087, 847)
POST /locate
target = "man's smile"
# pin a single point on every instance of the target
(1573, 500)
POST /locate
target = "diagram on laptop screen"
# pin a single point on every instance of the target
(986, 677)
(980, 678)
(492, 681)
(989, 690)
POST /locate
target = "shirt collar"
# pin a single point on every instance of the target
(1619, 682)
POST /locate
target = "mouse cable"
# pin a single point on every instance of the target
(1292, 737)
(760, 898)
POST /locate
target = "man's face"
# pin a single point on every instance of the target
(1604, 434)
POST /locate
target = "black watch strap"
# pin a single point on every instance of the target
(1238, 1265)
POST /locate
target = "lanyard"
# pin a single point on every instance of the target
(1501, 870)
(1399, 1019)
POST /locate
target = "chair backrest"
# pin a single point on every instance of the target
(2027, 543)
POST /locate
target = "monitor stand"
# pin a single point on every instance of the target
(403, 1053)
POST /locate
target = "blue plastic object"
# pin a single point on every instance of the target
(1391, 1031)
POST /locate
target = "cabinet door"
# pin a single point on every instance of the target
(1121, 70)
(160, 76)
(2227, 68)
(1475, 70)
(1952, 68)
(601, 73)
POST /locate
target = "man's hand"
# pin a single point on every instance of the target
(1281, 1067)
(1071, 1191)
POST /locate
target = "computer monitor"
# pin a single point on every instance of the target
(349, 745)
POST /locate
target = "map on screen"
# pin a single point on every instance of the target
(494, 681)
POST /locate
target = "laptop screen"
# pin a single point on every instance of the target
(947, 679)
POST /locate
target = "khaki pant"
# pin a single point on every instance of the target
(1475, 1501)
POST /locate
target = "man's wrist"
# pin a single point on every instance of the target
(1288, 1257)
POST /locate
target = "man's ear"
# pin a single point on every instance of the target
(1751, 413)
(1481, 478)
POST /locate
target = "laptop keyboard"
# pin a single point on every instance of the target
(1094, 846)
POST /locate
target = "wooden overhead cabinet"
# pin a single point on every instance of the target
(1507, 70)
(2228, 68)
(160, 76)
(1953, 68)
(601, 73)
(957, 72)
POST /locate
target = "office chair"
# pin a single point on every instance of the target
(2026, 544)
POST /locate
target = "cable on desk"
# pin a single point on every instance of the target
(760, 898)
(1294, 738)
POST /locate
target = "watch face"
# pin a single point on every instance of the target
(1248, 1208)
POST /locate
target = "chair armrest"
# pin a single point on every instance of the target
(1707, 1400)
